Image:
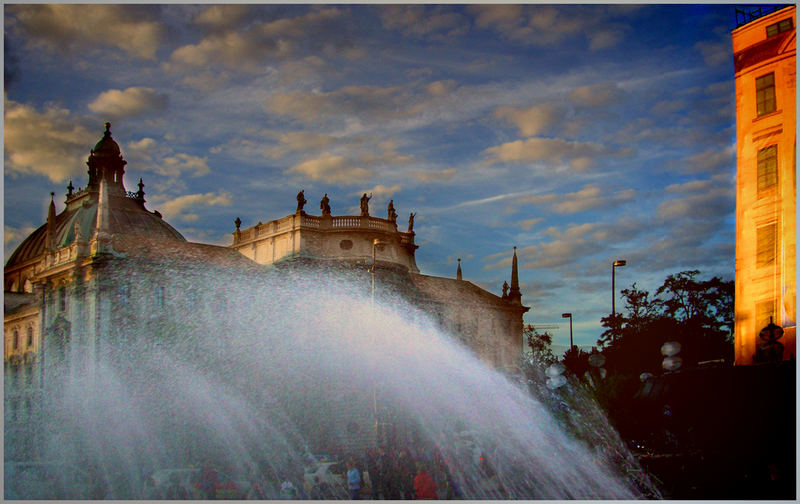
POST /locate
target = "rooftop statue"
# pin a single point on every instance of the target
(411, 222)
(324, 205)
(301, 201)
(365, 204)
(392, 213)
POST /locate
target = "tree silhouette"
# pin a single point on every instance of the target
(540, 345)
(696, 313)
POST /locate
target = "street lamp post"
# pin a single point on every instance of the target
(375, 244)
(569, 316)
(619, 262)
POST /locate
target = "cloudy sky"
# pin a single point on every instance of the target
(579, 133)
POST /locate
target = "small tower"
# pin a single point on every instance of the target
(106, 163)
(514, 295)
(51, 224)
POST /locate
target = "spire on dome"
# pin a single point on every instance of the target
(458, 271)
(51, 223)
(140, 192)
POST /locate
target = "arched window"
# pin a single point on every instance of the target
(30, 337)
(15, 340)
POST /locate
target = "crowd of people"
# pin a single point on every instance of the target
(399, 474)
(381, 473)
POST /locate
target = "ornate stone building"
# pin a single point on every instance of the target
(491, 325)
(764, 51)
(106, 271)
(89, 279)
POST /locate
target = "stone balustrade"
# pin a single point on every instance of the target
(338, 223)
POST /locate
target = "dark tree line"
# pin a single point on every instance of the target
(696, 313)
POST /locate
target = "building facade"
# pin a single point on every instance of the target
(490, 325)
(106, 274)
(764, 50)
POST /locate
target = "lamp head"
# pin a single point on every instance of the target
(566, 315)
(620, 262)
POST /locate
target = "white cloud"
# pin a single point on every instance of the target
(430, 176)
(133, 101)
(528, 224)
(712, 161)
(387, 155)
(184, 208)
(569, 247)
(552, 151)
(422, 21)
(248, 49)
(588, 198)
(365, 102)
(441, 88)
(51, 143)
(309, 69)
(530, 121)
(596, 95)
(545, 25)
(299, 141)
(205, 79)
(603, 39)
(71, 26)
(331, 168)
(381, 191)
(715, 53)
(181, 163)
(222, 17)
(150, 155)
(700, 199)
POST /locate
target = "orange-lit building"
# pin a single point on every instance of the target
(764, 49)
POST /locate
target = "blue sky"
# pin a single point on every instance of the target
(579, 133)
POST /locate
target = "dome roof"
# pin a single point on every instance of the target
(126, 212)
(106, 146)
(126, 216)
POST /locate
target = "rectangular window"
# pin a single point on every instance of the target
(767, 168)
(766, 245)
(124, 294)
(159, 297)
(765, 94)
(14, 409)
(62, 299)
(781, 26)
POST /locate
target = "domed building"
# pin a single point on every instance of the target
(69, 286)
(106, 271)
